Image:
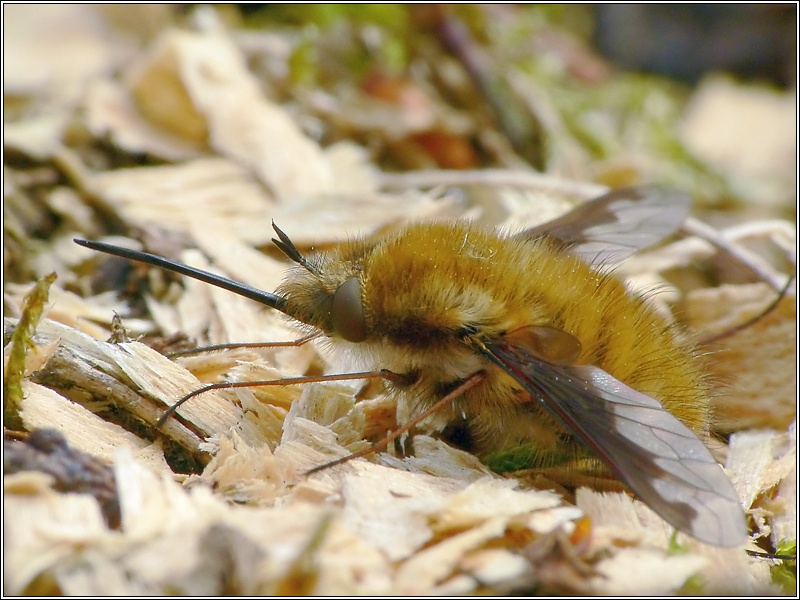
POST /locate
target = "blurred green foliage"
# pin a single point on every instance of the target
(784, 573)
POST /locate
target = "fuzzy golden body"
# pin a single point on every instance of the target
(523, 341)
(428, 287)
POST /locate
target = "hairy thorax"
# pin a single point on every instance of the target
(427, 289)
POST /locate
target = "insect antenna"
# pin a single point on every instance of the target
(286, 246)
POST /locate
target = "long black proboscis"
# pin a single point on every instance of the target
(267, 298)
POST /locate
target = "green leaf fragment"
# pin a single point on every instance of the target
(784, 573)
(32, 307)
(526, 457)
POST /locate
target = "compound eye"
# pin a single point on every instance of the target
(347, 311)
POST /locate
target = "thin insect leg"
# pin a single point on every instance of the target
(290, 381)
(741, 326)
(10, 434)
(292, 343)
(467, 385)
(770, 556)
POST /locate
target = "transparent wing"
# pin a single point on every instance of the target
(649, 449)
(610, 228)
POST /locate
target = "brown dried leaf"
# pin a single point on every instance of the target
(757, 367)
(47, 451)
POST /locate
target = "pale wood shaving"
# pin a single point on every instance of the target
(206, 75)
(553, 519)
(763, 466)
(73, 42)
(487, 498)
(784, 520)
(103, 375)
(759, 460)
(746, 258)
(90, 316)
(36, 358)
(263, 420)
(494, 566)
(82, 345)
(163, 379)
(435, 457)
(723, 112)
(432, 565)
(236, 258)
(244, 473)
(458, 585)
(44, 408)
(166, 316)
(339, 217)
(193, 312)
(390, 508)
(47, 528)
(217, 189)
(309, 445)
(111, 111)
(351, 566)
(152, 503)
(280, 396)
(354, 172)
(39, 137)
(618, 516)
(655, 573)
(496, 178)
(730, 572)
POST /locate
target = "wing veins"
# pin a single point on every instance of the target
(685, 486)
